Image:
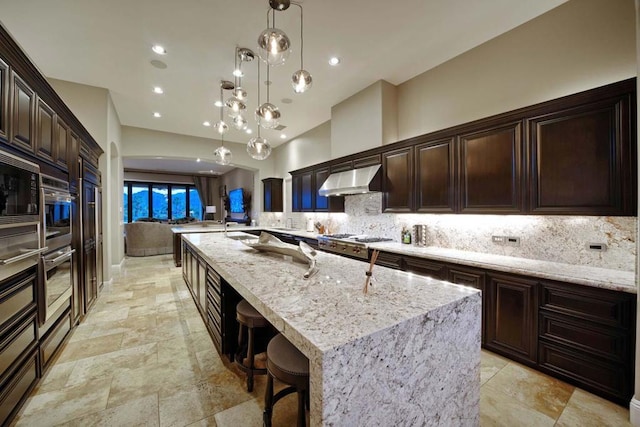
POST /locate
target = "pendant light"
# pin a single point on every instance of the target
(258, 147)
(301, 80)
(235, 104)
(267, 114)
(222, 154)
(274, 45)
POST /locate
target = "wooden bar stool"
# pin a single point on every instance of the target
(288, 365)
(249, 318)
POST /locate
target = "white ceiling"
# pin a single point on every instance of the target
(106, 43)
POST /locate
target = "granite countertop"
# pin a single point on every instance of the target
(218, 227)
(617, 280)
(329, 309)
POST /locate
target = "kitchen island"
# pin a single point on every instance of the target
(406, 353)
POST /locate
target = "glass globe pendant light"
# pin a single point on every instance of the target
(222, 154)
(257, 147)
(239, 122)
(274, 45)
(267, 114)
(301, 80)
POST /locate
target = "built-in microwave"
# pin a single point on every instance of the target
(57, 205)
(19, 195)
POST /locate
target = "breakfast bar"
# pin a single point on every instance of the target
(405, 353)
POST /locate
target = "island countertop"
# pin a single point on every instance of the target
(405, 326)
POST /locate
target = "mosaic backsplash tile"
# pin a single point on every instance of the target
(548, 238)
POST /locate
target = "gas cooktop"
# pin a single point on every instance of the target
(348, 244)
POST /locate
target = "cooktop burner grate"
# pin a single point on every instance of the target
(339, 236)
(372, 239)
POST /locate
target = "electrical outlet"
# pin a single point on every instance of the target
(498, 240)
(598, 247)
(512, 240)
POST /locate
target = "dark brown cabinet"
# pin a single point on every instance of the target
(89, 238)
(305, 185)
(397, 180)
(587, 338)
(22, 114)
(579, 159)
(491, 179)
(511, 317)
(4, 101)
(474, 278)
(323, 203)
(44, 131)
(434, 269)
(272, 194)
(435, 176)
(61, 144)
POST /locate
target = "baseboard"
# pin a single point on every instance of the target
(634, 411)
(117, 268)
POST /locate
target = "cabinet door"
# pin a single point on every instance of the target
(44, 131)
(307, 191)
(475, 279)
(4, 101)
(577, 160)
(61, 144)
(397, 180)
(365, 161)
(272, 194)
(322, 202)
(296, 193)
(342, 166)
(435, 178)
(511, 318)
(22, 113)
(491, 178)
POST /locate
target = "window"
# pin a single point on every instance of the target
(160, 201)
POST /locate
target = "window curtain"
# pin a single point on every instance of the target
(207, 189)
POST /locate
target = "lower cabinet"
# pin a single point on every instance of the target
(586, 337)
(434, 269)
(474, 278)
(511, 317)
(15, 391)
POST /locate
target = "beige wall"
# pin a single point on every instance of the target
(577, 46)
(241, 178)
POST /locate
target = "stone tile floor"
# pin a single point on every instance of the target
(143, 357)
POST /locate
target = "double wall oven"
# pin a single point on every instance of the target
(57, 261)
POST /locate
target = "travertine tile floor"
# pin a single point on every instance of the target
(143, 357)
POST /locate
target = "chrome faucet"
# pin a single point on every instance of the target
(226, 223)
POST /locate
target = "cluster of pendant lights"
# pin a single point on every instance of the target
(274, 48)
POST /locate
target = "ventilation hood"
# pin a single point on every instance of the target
(355, 181)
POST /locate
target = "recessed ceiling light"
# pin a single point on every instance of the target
(156, 114)
(218, 104)
(205, 124)
(158, 64)
(283, 136)
(238, 72)
(249, 131)
(159, 49)
(198, 160)
(286, 100)
(334, 61)
(158, 90)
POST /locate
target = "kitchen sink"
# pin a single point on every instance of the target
(241, 236)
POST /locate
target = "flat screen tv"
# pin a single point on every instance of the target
(235, 200)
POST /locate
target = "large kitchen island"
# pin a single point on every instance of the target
(406, 353)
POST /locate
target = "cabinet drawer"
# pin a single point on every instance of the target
(51, 344)
(607, 379)
(597, 305)
(592, 338)
(14, 393)
(213, 279)
(388, 259)
(473, 279)
(19, 341)
(215, 330)
(16, 299)
(425, 267)
(214, 299)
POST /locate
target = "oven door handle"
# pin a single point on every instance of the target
(30, 253)
(62, 257)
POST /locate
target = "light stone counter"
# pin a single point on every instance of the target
(407, 353)
(617, 280)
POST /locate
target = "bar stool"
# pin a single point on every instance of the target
(288, 365)
(249, 318)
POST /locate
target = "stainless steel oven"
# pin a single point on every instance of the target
(19, 248)
(57, 205)
(57, 283)
(19, 181)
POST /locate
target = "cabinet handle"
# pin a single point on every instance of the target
(25, 255)
(61, 257)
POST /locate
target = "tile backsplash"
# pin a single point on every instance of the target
(550, 238)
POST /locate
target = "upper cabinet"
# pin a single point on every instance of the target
(435, 176)
(491, 170)
(4, 100)
(62, 144)
(305, 197)
(272, 194)
(574, 155)
(397, 180)
(22, 114)
(44, 131)
(580, 160)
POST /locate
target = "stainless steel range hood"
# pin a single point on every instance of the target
(355, 181)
